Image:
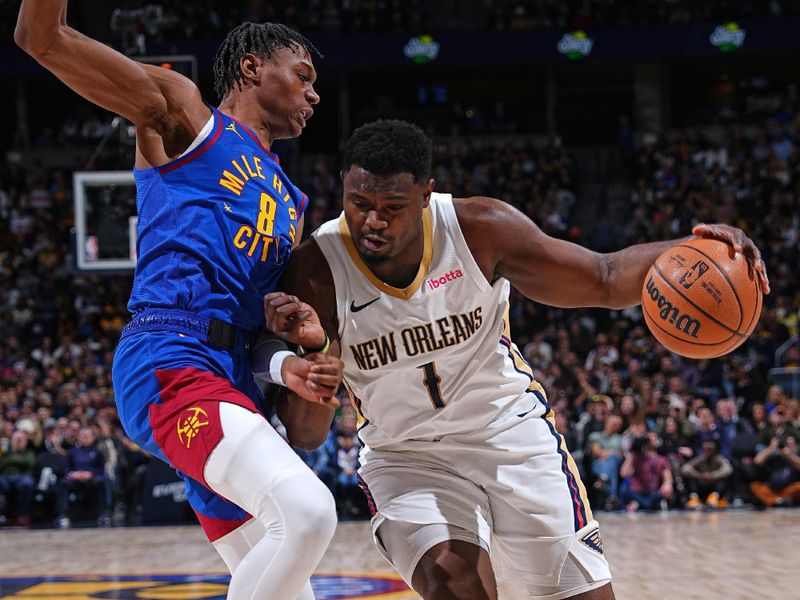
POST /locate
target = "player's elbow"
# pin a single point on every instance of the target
(611, 284)
(35, 43)
(605, 282)
(23, 38)
(306, 440)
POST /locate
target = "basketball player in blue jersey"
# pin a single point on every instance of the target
(217, 220)
(474, 494)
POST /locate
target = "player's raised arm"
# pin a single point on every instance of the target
(559, 273)
(147, 95)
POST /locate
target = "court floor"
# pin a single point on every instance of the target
(672, 556)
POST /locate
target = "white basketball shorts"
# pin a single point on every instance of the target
(513, 488)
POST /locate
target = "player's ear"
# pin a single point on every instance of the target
(251, 68)
(428, 191)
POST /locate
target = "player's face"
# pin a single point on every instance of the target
(384, 214)
(286, 93)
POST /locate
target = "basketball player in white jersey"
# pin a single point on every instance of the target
(473, 491)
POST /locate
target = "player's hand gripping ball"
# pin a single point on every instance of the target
(702, 298)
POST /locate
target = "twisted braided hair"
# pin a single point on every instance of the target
(261, 39)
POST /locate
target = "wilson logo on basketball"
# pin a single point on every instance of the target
(670, 314)
(693, 274)
(190, 425)
(435, 282)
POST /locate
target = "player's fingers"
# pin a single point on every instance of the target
(325, 380)
(292, 312)
(329, 401)
(725, 233)
(273, 295)
(762, 273)
(321, 360)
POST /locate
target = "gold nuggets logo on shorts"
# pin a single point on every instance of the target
(189, 424)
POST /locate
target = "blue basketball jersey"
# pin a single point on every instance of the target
(216, 227)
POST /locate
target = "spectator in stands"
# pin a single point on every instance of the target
(706, 428)
(595, 417)
(707, 477)
(349, 496)
(86, 475)
(605, 449)
(780, 466)
(729, 425)
(16, 479)
(779, 428)
(648, 476)
(758, 417)
(133, 466)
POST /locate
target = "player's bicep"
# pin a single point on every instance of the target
(547, 269)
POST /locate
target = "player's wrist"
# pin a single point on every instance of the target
(321, 348)
(269, 359)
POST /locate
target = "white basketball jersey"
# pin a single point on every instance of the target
(431, 359)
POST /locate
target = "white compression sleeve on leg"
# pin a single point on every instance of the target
(255, 468)
(234, 546)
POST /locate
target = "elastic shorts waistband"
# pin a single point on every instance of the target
(208, 329)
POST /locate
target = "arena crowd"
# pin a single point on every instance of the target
(648, 429)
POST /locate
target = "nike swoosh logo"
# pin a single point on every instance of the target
(355, 308)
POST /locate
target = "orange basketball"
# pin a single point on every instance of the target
(700, 299)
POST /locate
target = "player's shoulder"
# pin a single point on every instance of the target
(309, 277)
(308, 266)
(483, 219)
(482, 211)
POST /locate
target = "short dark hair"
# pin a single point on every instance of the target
(388, 147)
(261, 39)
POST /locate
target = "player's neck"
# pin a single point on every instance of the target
(401, 270)
(236, 106)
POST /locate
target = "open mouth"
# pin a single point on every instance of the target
(304, 115)
(374, 243)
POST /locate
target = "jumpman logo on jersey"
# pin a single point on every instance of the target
(227, 207)
(232, 127)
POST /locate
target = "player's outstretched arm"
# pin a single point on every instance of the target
(147, 95)
(507, 244)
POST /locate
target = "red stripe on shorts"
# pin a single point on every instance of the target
(186, 424)
(216, 528)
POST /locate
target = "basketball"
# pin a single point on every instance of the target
(700, 299)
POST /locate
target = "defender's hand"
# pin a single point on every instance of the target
(293, 320)
(740, 242)
(314, 377)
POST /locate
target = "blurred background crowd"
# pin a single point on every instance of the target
(210, 18)
(648, 429)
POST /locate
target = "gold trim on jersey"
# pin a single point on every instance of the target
(427, 255)
(360, 418)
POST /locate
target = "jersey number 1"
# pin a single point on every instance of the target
(433, 382)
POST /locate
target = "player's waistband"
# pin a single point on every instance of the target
(215, 331)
